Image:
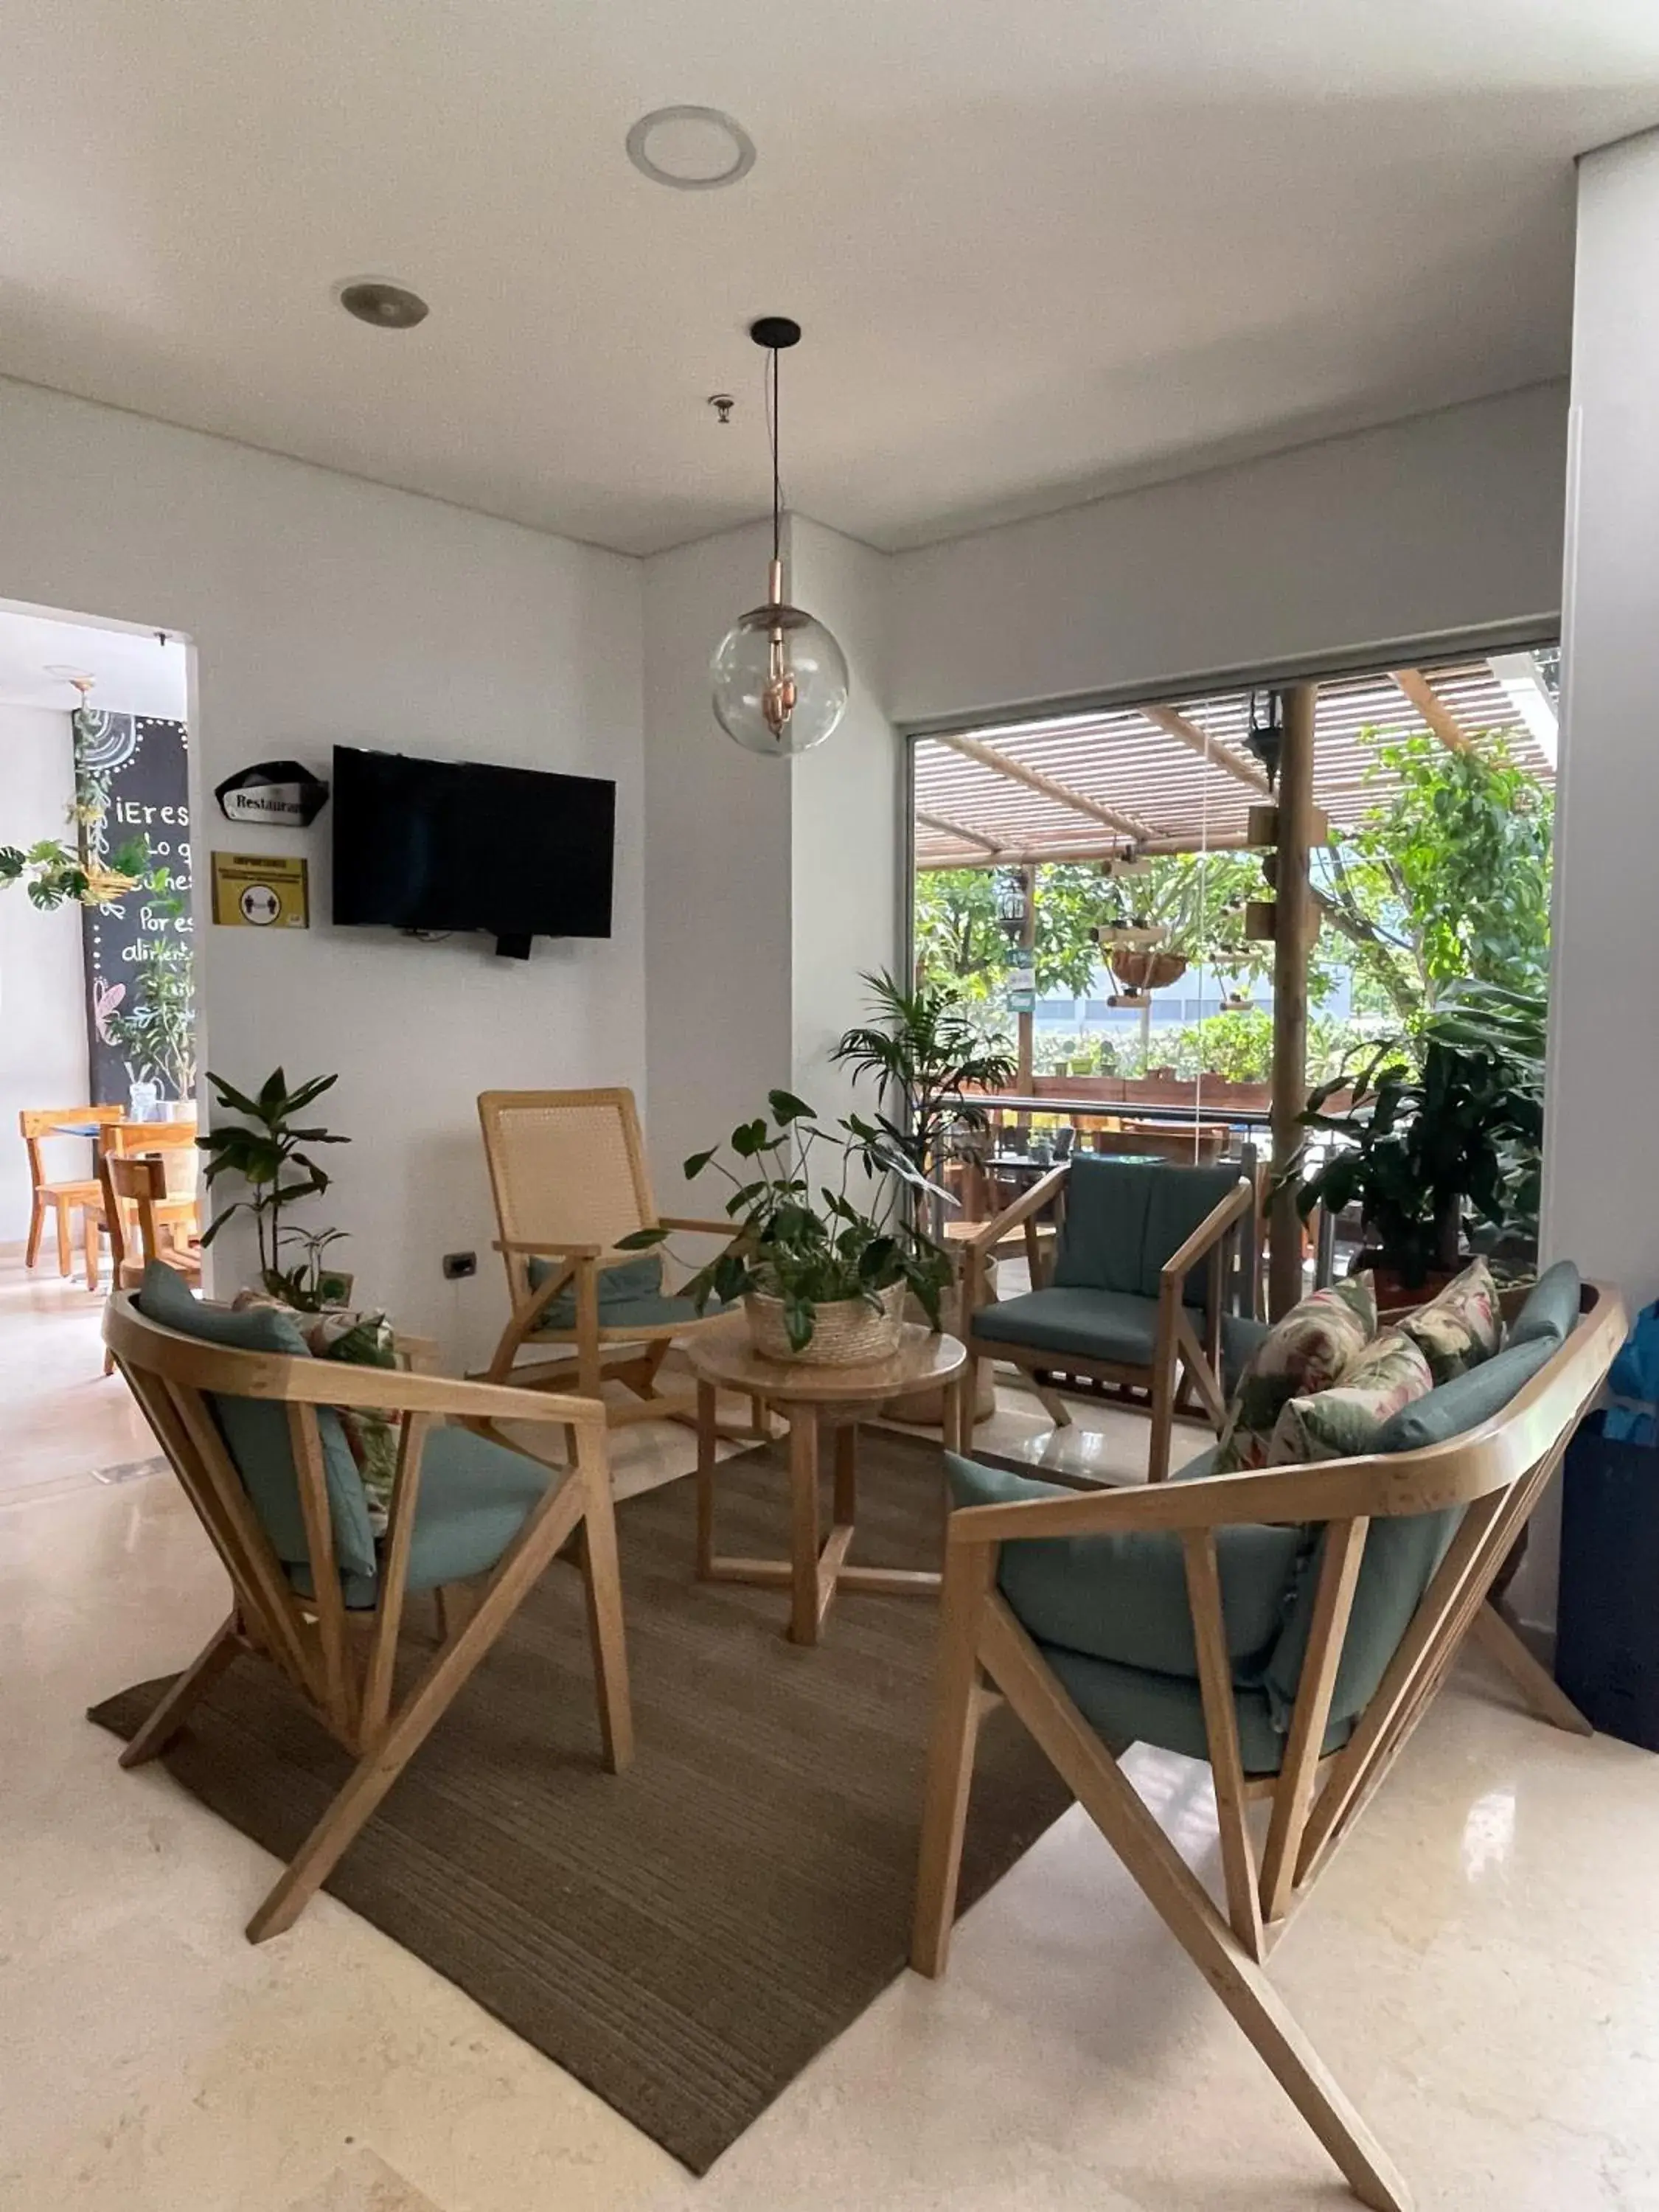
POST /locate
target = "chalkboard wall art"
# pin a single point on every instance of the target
(140, 1002)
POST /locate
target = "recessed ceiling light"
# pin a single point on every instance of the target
(388, 307)
(691, 149)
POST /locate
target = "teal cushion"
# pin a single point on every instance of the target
(1240, 1336)
(1104, 1230)
(474, 1497)
(622, 1285)
(1131, 1704)
(1124, 1597)
(255, 1429)
(1401, 1552)
(630, 1296)
(1551, 1311)
(1468, 1399)
(1125, 1219)
(1182, 1198)
(1113, 1325)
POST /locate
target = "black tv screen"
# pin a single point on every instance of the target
(450, 845)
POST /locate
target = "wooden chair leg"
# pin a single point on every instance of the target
(1184, 1905)
(90, 1235)
(1536, 1684)
(1157, 1453)
(66, 1256)
(426, 1705)
(37, 1225)
(203, 1670)
(602, 1581)
(957, 1707)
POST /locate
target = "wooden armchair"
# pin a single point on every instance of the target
(1144, 1262)
(569, 1173)
(251, 1424)
(1185, 1627)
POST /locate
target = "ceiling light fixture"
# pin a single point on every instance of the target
(780, 678)
(690, 149)
(385, 305)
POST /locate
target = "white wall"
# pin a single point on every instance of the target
(771, 884)
(1601, 1196)
(845, 830)
(324, 609)
(1444, 522)
(43, 995)
(717, 842)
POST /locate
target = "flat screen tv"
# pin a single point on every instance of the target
(432, 845)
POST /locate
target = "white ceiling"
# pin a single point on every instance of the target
(1041, 248)
(134, 672)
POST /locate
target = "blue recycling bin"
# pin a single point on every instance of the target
(1607, 1652)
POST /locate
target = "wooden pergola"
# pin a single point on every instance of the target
(1181, 777)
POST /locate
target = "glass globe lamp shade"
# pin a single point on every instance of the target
(780, 680)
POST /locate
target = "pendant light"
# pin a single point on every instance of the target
(780, 678)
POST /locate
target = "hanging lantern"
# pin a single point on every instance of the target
(1012, 903)
(780, 678)
(1265, 733)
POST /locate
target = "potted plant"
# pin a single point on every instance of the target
(269, 1154)
(157, 1034)
(926, 1057)
(1458, 1135)
(825, 1248)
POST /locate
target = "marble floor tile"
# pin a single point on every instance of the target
(1479, 1967)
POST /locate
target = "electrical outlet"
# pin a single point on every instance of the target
(458, 1265)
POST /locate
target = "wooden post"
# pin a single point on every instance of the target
(1027, 1021)
(1293, 942)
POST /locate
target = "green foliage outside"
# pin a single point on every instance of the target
(1446, 880)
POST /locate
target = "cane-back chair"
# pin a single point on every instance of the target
(252, 1426)
(1290, 1626)
(1137, 1294)
(569, 1172)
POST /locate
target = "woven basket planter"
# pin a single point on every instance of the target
(846, 1333)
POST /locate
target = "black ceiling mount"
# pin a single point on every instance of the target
(774, 332)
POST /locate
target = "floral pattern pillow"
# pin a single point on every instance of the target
(1460, 1327)
(1337, 1422)
(360, 1339)
(1308, 1350)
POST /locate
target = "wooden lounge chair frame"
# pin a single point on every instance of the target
(1496, 1472)
(1182, 1368)
(341, 1660)
(604, 1184)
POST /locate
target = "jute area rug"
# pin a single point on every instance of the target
(684, 1937)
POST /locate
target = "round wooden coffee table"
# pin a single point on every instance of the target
(811, 1400)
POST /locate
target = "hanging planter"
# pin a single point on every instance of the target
(1149, 969)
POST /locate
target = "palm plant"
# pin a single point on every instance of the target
(926, 1056)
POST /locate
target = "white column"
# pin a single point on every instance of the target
(1601, 1173)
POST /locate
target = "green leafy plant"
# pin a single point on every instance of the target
(1458, 1134)
(925, 1057)
(811, 1242)
(268, 1152)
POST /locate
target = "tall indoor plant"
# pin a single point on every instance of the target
(1443, 1130)
(926, 1057)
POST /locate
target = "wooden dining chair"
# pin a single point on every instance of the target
(250, 1422)
(569, 1173)
(1291, 1627)
(65, 1202)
